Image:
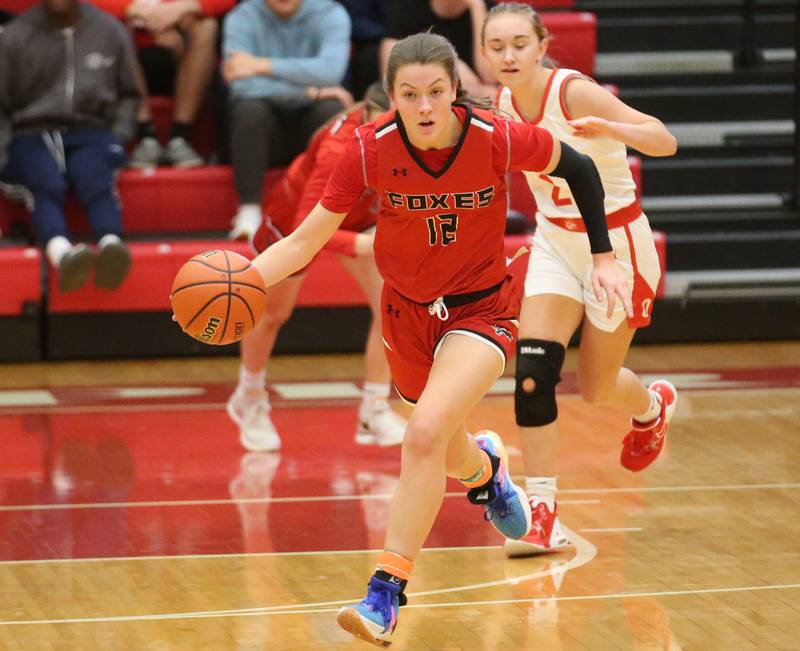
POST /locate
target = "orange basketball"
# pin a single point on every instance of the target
(218, 297)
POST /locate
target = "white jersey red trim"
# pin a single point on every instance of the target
(553, 197)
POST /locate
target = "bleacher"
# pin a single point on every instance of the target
(724, 84)
(171, 214)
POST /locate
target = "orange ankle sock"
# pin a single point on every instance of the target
(482, 475)
(395, 565)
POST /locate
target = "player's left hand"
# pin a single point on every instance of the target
(590, 127)
(607, 280)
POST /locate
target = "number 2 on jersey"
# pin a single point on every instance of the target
(442, 229)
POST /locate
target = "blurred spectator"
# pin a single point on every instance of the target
(68, 99)
(177, 41)
(369, 29)
(283, 61)
(460, 21)
(4, 18)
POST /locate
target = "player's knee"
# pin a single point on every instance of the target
(539, 365)
(421, 438)
(275, 316)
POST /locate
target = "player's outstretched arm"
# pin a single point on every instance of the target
(597, 113)
(298, 249)
(580, 173)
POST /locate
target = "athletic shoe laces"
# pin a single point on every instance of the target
(499, 505)
(380, 600)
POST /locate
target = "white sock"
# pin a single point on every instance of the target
(56, 248)
(110, 238)
(252, 380)
(249, 213)
(373, 395)
(542, 487)
(653, 412)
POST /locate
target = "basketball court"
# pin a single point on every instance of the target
(132, 518)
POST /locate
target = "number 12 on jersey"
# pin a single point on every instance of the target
(442, 229)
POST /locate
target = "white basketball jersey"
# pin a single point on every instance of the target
(553, 197)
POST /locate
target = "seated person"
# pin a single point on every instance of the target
(283, 61)
(177, 48)
(46, 143)
(369, 29)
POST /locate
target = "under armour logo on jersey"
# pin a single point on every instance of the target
(501, 331)
(399, 171)
(391, 311)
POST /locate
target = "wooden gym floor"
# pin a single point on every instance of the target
(130, 518)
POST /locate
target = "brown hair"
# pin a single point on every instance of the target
(376, 97)
(429, 49)
(526, 11)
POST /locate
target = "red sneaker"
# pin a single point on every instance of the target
(546, 532)
(645, 441)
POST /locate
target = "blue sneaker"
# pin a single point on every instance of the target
(505, 505)
(374, 619)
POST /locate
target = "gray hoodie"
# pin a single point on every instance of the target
(81, 76)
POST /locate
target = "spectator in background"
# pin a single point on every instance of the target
(283, 61)
(177, 41)
(68, 99)
(460, 21)
(369, 29)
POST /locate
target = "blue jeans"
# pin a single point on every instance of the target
(86, 159)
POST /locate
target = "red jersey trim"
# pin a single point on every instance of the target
(616, 219)
(562, 94)
(454, 154)
(542, 105)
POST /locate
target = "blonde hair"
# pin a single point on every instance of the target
(429, 49)
(526, 11)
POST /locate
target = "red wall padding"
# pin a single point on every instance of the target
(20, 274)
(574, 42)
(155, 264)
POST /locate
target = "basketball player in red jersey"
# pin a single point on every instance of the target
(449, 309)
(559, 294)
(287, 206)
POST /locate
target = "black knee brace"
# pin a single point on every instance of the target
(540, 361)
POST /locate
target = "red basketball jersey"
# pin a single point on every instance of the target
(440, 231)
(304, 182)
(442, 212)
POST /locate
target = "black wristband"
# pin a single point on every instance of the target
(580, 173)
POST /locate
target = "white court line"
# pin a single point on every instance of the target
(500, 602)
(585, 552)
(183, 557)
(670, 489)
(335, 498)
(608, 529)
(223, 502)
(283, 403)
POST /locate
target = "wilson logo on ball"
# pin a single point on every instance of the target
(211, 328)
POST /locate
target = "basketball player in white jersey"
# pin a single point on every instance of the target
(558, 289)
